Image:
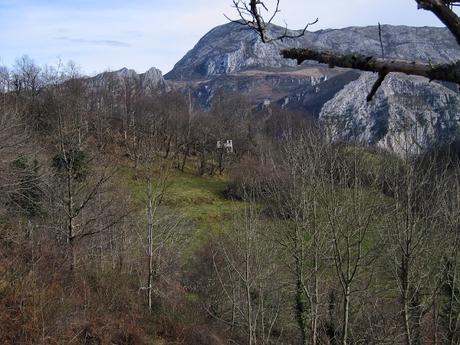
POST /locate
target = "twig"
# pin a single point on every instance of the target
(381, 41)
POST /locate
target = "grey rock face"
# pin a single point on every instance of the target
(407, 115)
(291, 90)
(153, 80)
(313, 99)
(400, 42)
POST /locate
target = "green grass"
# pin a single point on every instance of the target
(198, 199)
(201, 200)
(374, 162)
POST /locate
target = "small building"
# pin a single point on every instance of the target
(226, 145)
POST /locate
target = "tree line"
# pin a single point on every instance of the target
(328, 243)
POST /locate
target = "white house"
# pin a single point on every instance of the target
(227, 145)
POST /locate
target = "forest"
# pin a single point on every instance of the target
(123, 222)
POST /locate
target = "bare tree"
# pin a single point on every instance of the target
(163, 228)
(302, 233)
(26, 75)
(352, 221)
(446, 304)
(411, 237)
(245, 268)
(158, 232)
(81, 187)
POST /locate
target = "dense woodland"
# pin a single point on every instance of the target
(122, 223)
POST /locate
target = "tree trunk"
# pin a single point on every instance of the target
(221, 160)
(300, 308)
(248, 302)
(70, 218)
(405, 302)
(150, 244)
(346, 313)
(315, 302)
(184, 160)
(168, 147)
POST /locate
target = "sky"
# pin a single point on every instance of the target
(110, 34)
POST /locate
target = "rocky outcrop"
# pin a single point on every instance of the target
(408, 114)
(314, 98)
(153, 80)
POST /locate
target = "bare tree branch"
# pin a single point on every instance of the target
(376, 86)
(250, 16)
(444, 72)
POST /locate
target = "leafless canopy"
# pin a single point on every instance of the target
(251, 15)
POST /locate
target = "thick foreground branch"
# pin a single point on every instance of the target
(445, 14)
(442, 72)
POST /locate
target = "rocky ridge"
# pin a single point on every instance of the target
(151, 81)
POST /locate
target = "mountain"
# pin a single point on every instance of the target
(151, 81)
(232, 48)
